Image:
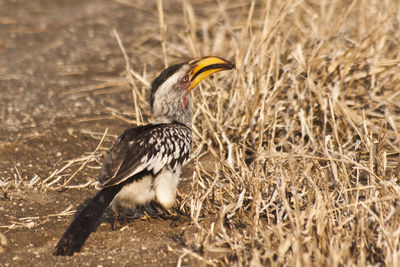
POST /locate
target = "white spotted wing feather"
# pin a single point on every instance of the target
(146, 148)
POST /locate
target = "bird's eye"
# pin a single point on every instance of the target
(185, 79)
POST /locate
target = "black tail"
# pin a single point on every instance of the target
(85, 222)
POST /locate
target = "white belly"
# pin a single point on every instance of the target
(134, 194)
(161, 188)
(165, 186)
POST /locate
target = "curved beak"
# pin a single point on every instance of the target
(205, 66)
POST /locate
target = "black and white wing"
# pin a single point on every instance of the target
(146, 148)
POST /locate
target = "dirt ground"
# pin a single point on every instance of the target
(49, 52)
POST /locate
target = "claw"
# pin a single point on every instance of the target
(154, 211)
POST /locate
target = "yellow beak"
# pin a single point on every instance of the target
(205, 66)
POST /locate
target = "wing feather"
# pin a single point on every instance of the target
(149, 147)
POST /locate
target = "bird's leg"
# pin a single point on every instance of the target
(145, 214)
(155, 211)
(149, 212)
(162, 212)
(116, 223)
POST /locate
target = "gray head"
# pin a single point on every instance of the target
(170, 91)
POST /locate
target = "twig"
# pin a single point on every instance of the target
(83, 165)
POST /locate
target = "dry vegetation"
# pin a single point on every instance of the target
(306, 133)
(303, 136)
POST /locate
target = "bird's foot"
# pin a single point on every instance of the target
(117, 224)
(154, 211)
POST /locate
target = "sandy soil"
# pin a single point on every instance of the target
(51, 52)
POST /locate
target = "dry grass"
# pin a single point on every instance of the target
(304, 135)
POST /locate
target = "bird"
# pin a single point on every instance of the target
(144, 164)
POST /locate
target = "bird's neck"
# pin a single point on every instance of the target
(169, 113)
(186, 122)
